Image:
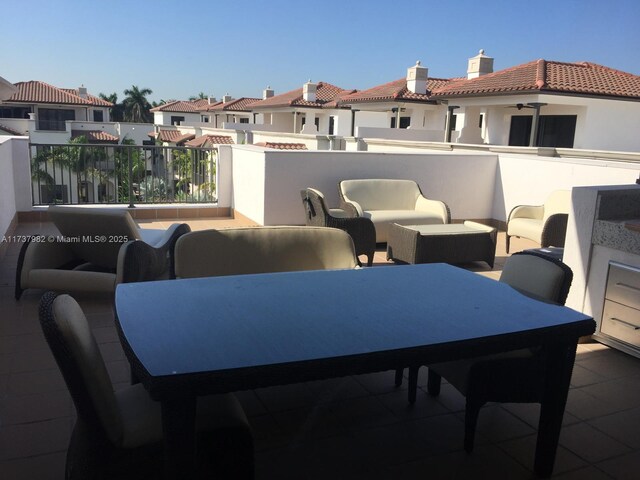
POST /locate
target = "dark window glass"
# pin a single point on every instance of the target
(244, 120)
(54, 119)
(332, 124)
(553, 131)
(405, 122)
(14, 112)
(54, 194)
(98, 116)
(175, 120)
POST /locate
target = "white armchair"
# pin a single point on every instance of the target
(545, 224)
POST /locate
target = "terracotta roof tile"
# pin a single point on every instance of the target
(324, 94)
(238, 105)
(97, 101)
(11, 131)
(393, 92)
(549, 76)
(209, 140)
(39, 92)
(183, 106)
(95, 136)
(282, 146)
(172, 136)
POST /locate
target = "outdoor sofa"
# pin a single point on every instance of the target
(387, 201)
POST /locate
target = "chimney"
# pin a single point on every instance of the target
(309, 91)
(211, 100)
(267, 93)
(226, 98)
(82, 92)
(417, 78)
(479, 65)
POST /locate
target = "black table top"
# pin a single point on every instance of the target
(221, 324)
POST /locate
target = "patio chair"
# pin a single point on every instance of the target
(515, 376)
(236, 251)
(87, 255)
(545, 224)
(361, 229)
(118, 434)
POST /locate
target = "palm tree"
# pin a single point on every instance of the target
(117, 111)
(136, 105)
(200, 96)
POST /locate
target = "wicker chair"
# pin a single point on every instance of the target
(506, 377)
(90, 257)
(545, 224)
(119, 434)
(361, 229)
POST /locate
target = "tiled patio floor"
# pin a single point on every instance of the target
(354, 428)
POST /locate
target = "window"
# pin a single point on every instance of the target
(244, 120)
(54, 194)
(553, 131)
(98, 116)
(54, 119)
(175, 120)
(14, 112)
(204, 118)
(332, 124)
(405, 122)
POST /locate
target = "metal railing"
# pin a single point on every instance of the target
(122, 174)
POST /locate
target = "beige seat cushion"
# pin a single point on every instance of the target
(527, 228)
(381, 194)
(534, 275)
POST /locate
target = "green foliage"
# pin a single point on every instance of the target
(136, 105)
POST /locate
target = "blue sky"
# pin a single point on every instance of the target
(178, 49)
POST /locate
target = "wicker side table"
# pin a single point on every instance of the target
(450, 243)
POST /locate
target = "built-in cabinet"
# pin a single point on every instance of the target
(621, 313)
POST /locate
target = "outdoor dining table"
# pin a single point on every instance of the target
(192, 337)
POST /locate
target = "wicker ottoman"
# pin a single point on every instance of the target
(450, 243)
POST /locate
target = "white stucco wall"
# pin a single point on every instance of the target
(267, 184)
(7, 186)
(528, 179)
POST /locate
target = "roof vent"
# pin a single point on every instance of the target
(267, 93)
(479, 65)
(309, 90)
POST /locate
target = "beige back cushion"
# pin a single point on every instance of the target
(381, 194)
(237, 251)
(534, 275)
(558, 201)
(84, 351)
(115, 226)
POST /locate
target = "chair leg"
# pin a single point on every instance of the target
(433, 383)
(413, 384)
(370, 259)
(470, 422)
(399, 375)
(508, 242)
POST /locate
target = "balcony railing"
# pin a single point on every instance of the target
(122, 174)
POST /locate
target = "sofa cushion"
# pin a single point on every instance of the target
(526, 227)
(383, 218)
(382, 194)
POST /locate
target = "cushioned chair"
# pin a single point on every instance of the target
(387, 201)
(236, 251)
(119, 434)
(515, 376)
(545, 224)
(361, 229)
(87, 256)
